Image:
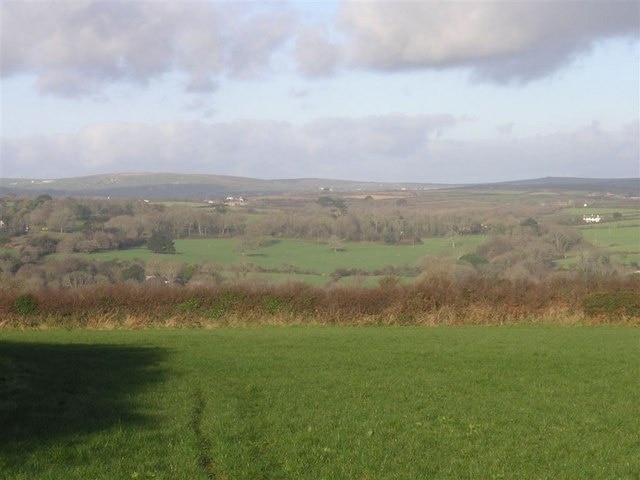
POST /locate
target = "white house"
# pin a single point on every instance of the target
(591, 218)
(232, 201)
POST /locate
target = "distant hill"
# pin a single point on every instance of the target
(629, 186)
(197, 186)
(187, 186)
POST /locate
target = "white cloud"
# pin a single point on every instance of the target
(500, 41)
(588, 151)
(315, 54)
(78, 47)
(385, 148)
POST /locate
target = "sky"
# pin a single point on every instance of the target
(400, 91)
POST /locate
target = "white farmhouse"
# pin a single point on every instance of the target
(591, 218)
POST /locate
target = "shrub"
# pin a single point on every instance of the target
(161, 242)
(225, 303)
(45, 243)
(216, 312)
(133, 272)
(474, 259)
(25, 304)
(604, 298)
(612, 303)
(389, 281)
(189, 272)
(190, 305)
(272, 304)
(529, 222)
(5, 237)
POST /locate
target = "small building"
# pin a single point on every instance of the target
(591, 218)
(234, 201)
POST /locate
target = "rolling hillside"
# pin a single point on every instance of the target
(187, 186)
(198, 186)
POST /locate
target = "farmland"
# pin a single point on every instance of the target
(329, 402)
(303, 260)
(621, 238)
(618, 236)
(322, 239)
(406, 334)
(621, 241)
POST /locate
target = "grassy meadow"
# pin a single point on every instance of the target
(618, 238)
(320, 403)
(295, 259)
(621, 240)
(623, 245)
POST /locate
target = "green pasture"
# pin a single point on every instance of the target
(181, 203)
(320, 403)
(315, 280)
(614, 237)
(619, 238)
(622, 242)
(629, 222)
(321, 258)
(625, 212)
(301, 256)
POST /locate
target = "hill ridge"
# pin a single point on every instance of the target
(199, 185)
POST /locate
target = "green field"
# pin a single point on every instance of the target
(620, 239)
(614, 237)
(321, 403)
(317, 260)
(625, 212)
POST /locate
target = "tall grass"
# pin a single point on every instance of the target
(432, 301)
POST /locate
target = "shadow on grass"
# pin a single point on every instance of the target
(50, 391)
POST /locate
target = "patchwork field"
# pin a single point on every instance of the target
(327, 402)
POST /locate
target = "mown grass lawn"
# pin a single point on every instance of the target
(321, 403)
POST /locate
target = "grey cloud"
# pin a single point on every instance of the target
(256, 41)
(315, 54)
(388, 136)
(338, 147)
(385, 148)
(505, 128)
(498, 41)
(79, 47)
(588, 151)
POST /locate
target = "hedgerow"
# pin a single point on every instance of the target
(433, 300)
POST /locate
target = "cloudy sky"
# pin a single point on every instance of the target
(424, 91)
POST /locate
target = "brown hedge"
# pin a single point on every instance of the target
(434, 300)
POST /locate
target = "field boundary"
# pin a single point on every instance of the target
(435, 301)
